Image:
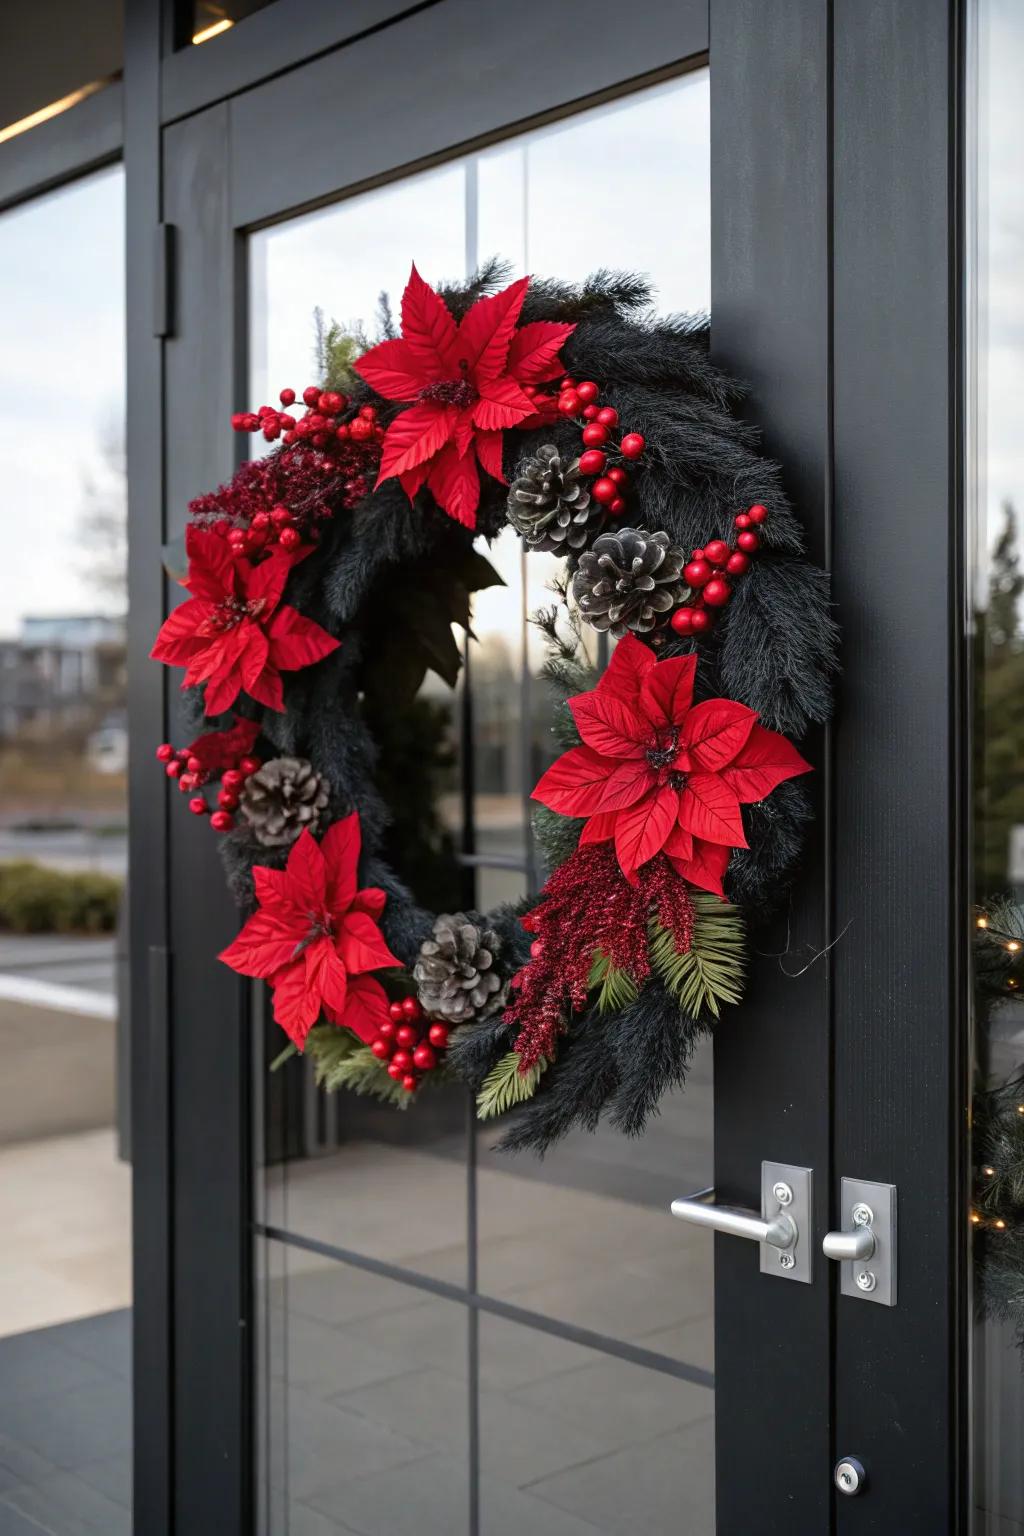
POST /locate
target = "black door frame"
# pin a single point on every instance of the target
(835, 159)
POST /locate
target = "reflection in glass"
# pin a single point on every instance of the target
(995, 496)
(64, 1192)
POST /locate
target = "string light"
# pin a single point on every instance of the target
(213, 30)
(988, 1172)
(982, 922)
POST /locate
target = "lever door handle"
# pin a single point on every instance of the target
(701, 1210)
(865, 1245)
(858, 1244)
(781, 1228)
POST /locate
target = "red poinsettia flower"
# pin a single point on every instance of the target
(659, 773)
(315, 936)
(234, 632)
(467, 382)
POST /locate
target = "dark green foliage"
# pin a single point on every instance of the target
(999, 711)
(710, 972)
(505, 1086)
(615, 988)
(35, 899)
(342, 1061)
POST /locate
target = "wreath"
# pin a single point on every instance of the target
(324, 579)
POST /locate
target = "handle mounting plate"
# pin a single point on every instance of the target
(794, 1263)
(872, 1279)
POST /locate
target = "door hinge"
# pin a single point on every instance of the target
(163, 280)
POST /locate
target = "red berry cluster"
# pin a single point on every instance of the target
(191, 774)
(582, 401)
(400, 1043)
(321, 423)
(709, 568)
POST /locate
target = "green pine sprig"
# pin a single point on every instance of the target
(710, 973)
(616, 988)
(342, 1061)
(505, 1086)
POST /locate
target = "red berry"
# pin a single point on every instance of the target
(342, 431)
(424, 1058)
(402, 1060)
(589, 413)
(194, 765)
(238, 421)
(409, 1082)
(411, 1008)
(164, 752)
(701, 620)
(593, 461)
(319, 439)
(360, 429)
(595, 435)
(311, 394)
(682, 620)
(618, 474)
(227, 801)
(380, 1048)
(748, 541)
(536, 949)
(717, 551)
(742, 520)
(393, 1071)
(222, 821)
(717, 592)
(289, 538)
(330, 402)
(386, 1029)
(271, 430)
(232, 780)
(173, 769)
(617, 507)
(737, 564)
(608, 416)
(250, 765)
(280, 517)
(438, 1035)
(587, 391)
(406, 1034)
(569, 402)
(568, 383)
(604, 490)
(757, 513)
(368, 413)
(260, 523)
(287, 397)
(632, 445)
(395, 1011)
(697, 573)
(198, 806)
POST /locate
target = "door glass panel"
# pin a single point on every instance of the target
(65, 1180)
(995, 501)
(424, 1193)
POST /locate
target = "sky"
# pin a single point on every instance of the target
(62, 386)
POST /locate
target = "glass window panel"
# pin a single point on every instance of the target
(995, 498)
(65, 1186)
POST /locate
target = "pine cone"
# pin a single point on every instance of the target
(549, 503)
(281, 798)
(629, 580)
(455, 971)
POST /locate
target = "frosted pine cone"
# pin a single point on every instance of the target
(455, 972)
(281, 798)
(550, 504)
(629, 580)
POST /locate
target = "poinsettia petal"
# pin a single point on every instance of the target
(428, 330)
(706, 866)
(332, 981)
(455, 485)
(296, 1007)
(709, 809)
(582, 782)
(642, 829)
(267, 689)
(501, 404)
(265, 582)
(222, 690)
(212, 569)
(254, 657)
(340, 846)
(415, 437)
(667, 690)
(485, 332)
(625, 672)
(413, 479)
(609, 725)
(366, 1008)
(488, 451)
(217, 750)
(394, 370)
(307, 873)
(296, 641)
(273, 888)
(533, 351)
(361, 944)
(679, 843)
(767, 759)
(599, 828)
(715, 731)
(177, 641)
(265, 943)
(370, 899)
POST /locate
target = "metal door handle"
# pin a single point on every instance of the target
(781, 1228)
(858, 1244)
(701, 1210)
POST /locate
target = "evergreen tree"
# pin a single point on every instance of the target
(999, 713)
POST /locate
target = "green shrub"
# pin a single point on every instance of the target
(34, 899)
